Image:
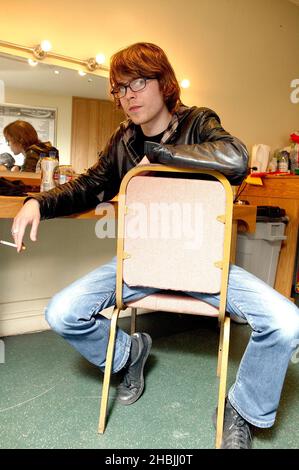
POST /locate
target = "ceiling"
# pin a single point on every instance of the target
(17, 73)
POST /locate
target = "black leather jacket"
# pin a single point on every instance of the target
(193, 139)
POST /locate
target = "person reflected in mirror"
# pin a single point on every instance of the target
(161, 127)
(7, 161)
(22, 137)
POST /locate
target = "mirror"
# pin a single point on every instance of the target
(48, 86)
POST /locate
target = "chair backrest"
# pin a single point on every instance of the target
(173, 232)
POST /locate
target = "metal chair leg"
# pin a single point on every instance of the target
(220, 349)
(133, 320)
(107, 374)
(222, 382)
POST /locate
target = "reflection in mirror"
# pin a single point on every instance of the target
(51, 87)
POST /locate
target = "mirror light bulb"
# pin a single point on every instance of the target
(46, 45)
(185, 83)
(32, 62)
(81, 73)
(100, 59)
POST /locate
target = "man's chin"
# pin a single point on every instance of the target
(136, 120)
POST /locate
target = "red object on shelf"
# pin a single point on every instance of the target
(295, 137)
(260, 174)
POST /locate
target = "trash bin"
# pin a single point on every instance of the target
(258, 252)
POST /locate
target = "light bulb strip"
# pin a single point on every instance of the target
(16, 46)
(90, 64)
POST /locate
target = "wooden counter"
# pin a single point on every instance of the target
(10, 205)
(282, 191)
(244, 216)
(32, 179)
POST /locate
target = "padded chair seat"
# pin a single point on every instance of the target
(175, 303)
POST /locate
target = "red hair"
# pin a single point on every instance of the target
(147, 60)
(21, 132)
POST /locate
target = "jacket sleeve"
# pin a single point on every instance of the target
(79, 194)
(214, 148)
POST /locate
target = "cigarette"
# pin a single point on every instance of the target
(3, 242)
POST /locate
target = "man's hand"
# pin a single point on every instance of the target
(28, 215)
(153, 151)
(158, 153)
(15, 169)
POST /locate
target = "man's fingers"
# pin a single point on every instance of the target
(18, 237)
(28, 215)
(15, 232)
(33, 232)
(15, 229)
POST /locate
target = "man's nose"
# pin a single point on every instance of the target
(130, 93)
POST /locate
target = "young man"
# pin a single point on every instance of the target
(158, 125)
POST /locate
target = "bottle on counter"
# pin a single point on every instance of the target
(48, 165)
(273, 163)
(63, 174)
(38, 167)
(283, 161)
(53, 154)
(66, 173)
(294, 152)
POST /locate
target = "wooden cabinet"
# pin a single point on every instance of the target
(282, 191)
(93, 122)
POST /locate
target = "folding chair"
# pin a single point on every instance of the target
(174, 234)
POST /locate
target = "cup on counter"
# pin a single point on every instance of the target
(63, 174)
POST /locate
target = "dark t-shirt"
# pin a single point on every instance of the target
(138, 144)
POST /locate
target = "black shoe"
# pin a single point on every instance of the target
(132, 385)
(236, 430)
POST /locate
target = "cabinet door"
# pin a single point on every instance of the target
(282, 191)
(93, 121)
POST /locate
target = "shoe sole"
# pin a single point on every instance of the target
(136, 397)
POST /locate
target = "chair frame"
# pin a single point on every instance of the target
(223, 317)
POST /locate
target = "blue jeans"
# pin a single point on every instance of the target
(74, 313)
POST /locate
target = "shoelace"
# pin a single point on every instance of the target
(240, 434)
(129, 380)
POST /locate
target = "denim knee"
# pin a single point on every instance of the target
(287, 325)
(56, 313)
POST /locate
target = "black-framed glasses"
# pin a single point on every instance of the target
(137, 84)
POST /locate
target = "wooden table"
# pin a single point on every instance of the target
(282, 191)
(32, 179)
(10, 205)
(244, 216)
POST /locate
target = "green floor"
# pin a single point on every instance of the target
(50, 394)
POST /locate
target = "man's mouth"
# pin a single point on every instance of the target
(133, 109)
